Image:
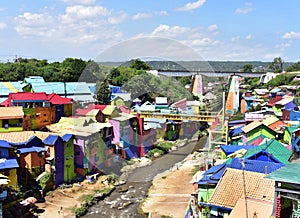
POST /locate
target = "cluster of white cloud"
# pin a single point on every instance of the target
(246, 9)
(86, 23)
(192, 5)
(291, 35)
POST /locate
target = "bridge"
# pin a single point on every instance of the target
(218, 132)
(178, 73)
(203, 117)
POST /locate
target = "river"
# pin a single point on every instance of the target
(138, 183)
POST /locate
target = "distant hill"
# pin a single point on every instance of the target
(201, 65)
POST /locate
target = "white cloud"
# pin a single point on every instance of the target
(212, 27)
(246, 9)
(139, 16)
(192, 5)
(163, 13)
(82, 2)
(78, 12)
(117, 19)
(235, 38)
(34, 24)
(249, 36)
(291, 35)
(2, 25)
(169, 31)
(203, 42)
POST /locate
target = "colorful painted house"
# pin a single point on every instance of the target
(63, 106)
(89, 145)
(31, 153)
(233, 185)
(271, 151)
(285, 103)
(256, 128)
(287, 134)
(8, 164)
(124, 135)
(11, 119)
(62, 157)
(35, 105)
(161, 103)
(287, 191)
(120, 99)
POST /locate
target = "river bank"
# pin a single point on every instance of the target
(125, 200)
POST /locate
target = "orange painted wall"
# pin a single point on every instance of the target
(31, 160)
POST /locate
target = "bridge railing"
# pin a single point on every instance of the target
(203, 116)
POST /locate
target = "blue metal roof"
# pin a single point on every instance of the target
(229, 149)
(31, 149)
(255, 165)
(50, 140)
(214, 174)
(236, 131)
(4, 144)
(34, 79)
(8, 163)
(67, 137)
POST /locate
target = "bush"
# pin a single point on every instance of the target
(164, 146)
(156, 150)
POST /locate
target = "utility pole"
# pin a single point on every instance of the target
(244, 184)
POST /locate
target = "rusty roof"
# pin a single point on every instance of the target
(231, 188)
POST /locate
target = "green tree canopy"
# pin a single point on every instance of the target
(276, 65)
(247, 68)
(102, 92)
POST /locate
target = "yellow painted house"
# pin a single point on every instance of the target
(11, 119)
(8, 164)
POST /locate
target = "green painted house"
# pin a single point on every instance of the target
(287, 134)
(287, 190)
(255, 129)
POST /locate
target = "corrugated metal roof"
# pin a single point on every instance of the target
(251, 126)
(9, 87)
(34, 79)
(284, 101)
(231, 187)
(255, 165)
(289, 173)
(67, 137)
(11, 112)
(8, 163)
(50, 140)
(4, 144)
(273, 147)
(31, 149)
(269, 120)
(229, 149)
(254, 206)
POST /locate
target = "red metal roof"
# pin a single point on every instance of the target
(57, 99)
(41, 96)
(273, 101)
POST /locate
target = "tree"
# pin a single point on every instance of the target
(139, 64)
(276, 65)
(102, 92)
(247, 68)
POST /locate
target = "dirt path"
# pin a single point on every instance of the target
(59, 203)
(171, 190)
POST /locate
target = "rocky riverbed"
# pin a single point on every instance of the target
(135, 183)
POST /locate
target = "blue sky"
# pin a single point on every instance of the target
(214, 29)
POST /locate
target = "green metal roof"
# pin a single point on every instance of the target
(256, 137)
(288, 173)
(291, 129)
(273, 147)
